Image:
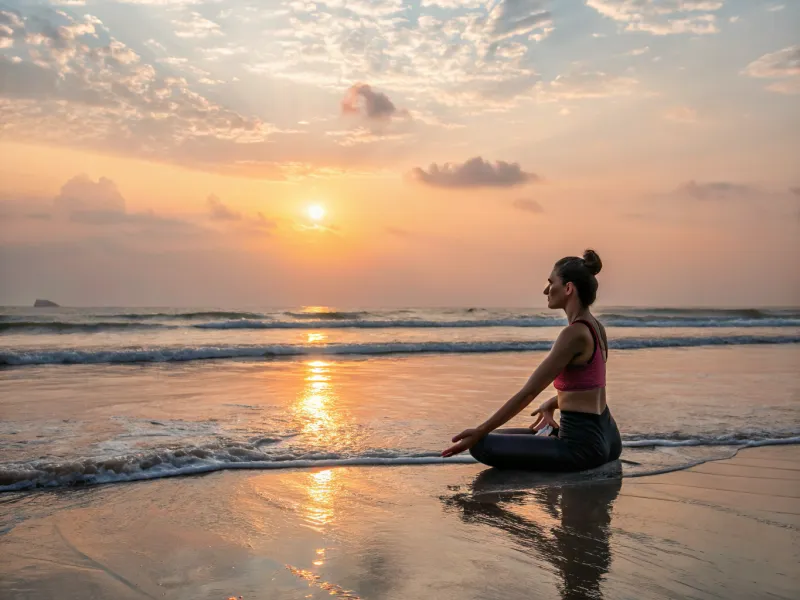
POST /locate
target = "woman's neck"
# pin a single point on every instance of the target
(576, 312)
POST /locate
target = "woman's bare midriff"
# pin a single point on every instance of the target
(587, 401)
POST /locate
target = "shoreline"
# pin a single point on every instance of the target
(194, 469)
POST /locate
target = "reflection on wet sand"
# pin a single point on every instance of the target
(318, 511)
(577, 545)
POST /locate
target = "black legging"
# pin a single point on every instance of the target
(584, 441)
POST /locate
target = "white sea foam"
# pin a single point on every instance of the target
(505, 322)
(196, 460)
(189, 353)
(383, 324)
(719, 441)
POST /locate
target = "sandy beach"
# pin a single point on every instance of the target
(725, 529)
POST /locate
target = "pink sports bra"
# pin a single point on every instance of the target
(588, 376)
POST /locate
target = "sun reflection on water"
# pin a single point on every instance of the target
(327, 428)
(320, 488)
(325, 425)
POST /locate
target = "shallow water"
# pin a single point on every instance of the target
(95, 423)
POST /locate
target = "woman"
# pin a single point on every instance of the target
(587, 436)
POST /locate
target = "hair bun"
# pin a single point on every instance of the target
(592, 261)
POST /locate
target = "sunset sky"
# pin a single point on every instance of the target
(167, 152)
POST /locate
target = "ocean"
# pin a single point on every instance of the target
(101, 396)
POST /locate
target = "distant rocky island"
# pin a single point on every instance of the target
(44, 303)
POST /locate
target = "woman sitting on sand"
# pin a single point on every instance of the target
(587, 436)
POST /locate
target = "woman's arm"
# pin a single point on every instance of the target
(567, 345)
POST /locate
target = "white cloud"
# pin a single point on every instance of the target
(451, 4)
(783, 64)
(362, 135)
(638, 51)
(155, 45)
(509, 18)
(78, 87)
(220, 52)
(194, 25)
(661, 17)
(585, 84)
(477, 57)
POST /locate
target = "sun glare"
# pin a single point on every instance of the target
(316, 212)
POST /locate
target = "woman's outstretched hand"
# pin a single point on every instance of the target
(545, 416)
(464, 441)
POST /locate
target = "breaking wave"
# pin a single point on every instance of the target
(208, 314)
(75, 327)
(615, 321)
(327, 315)
(189, 353)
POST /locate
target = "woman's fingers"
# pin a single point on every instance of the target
(464, 434)
(537, 411)
(543, 419)
(456, 448)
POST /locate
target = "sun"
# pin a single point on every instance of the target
(316, 212)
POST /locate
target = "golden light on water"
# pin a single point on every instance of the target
(318, 419)
(316, 338)
(316, 406)
(316, 377)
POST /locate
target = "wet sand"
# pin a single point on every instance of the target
(727, 529)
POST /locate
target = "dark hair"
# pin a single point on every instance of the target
(581, 273)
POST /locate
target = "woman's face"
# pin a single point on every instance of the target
(555, 291)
